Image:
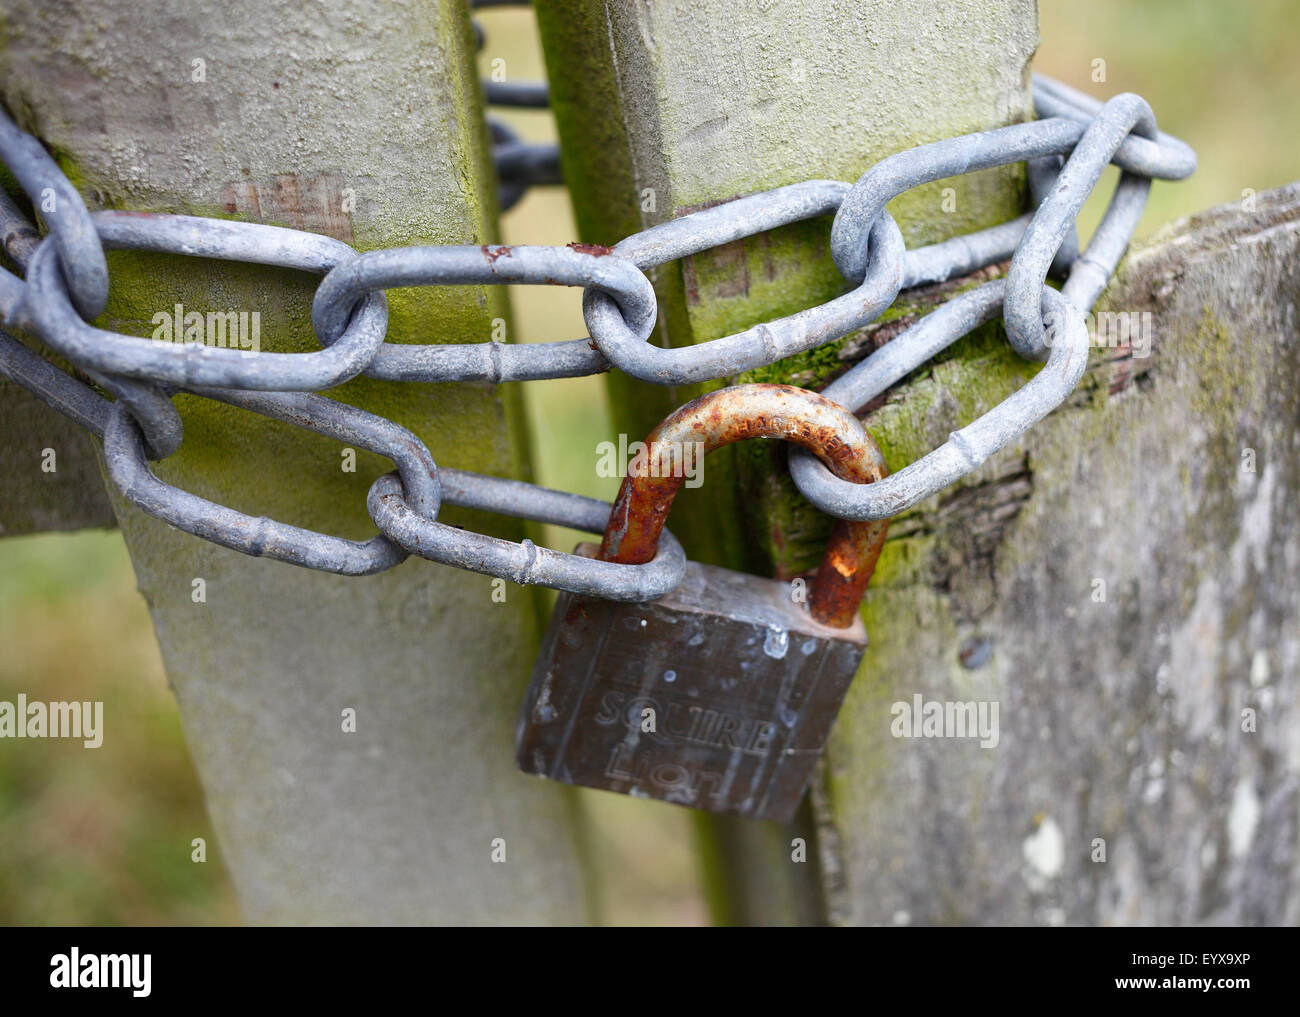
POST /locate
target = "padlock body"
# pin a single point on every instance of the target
(718, 696)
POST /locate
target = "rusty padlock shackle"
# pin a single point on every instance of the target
(732, 414)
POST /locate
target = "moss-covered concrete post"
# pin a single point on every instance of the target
(1106, 615)
(354, 736)
(666, 108)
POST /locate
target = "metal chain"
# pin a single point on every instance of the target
(519, 164)
(66, 285)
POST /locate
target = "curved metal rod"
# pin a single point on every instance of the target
(1023, 309)
(757, 411)
(70, 222)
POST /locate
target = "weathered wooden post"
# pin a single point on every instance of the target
(1123, 586)
(360, 121)
(1118, 583)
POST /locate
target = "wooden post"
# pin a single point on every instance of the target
(361, 121)
(664, 108)
(1125, 585)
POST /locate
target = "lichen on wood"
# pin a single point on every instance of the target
(1140, 590)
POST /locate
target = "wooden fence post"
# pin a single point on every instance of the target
(361, 121)
(1124, 584)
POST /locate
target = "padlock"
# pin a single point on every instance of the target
(721, 694)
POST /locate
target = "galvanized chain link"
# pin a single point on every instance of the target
(1027, 303)
(66, 285)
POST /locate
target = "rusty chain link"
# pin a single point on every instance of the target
(66, 285)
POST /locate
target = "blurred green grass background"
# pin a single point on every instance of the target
(104, 836)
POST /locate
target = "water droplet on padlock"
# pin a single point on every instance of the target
(777, 642)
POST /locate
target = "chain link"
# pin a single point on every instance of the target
(66, 285)
(48, 312)
(767, 343)
(257, 535)
(617, 279)
(972, 445)
(519, 164)
(65, 213)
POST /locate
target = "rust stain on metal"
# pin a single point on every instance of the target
(577, 612)
(597, 250)
(492, 252)
(761, 411)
